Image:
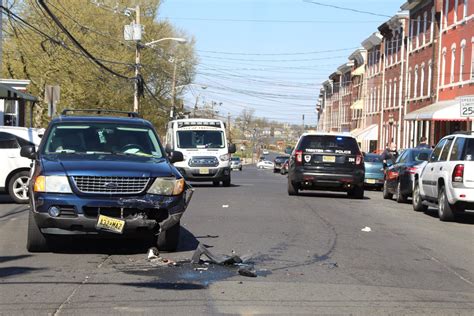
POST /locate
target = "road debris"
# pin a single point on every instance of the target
(225, 206)
(366, 229)
(153, 253)
(248, 272)
(154, 257)
(223, 260)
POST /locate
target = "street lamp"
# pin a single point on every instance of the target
(136, 98)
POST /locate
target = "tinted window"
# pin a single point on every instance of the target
(420, 155)
(403, 157)
(456, 153)
(235, 159)
(437, 150)
(445, 152)
(468, 153)
(201, 139)
(372, 158)
(8, 141)
(329, 143)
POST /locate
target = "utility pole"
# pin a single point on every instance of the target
(1, 37)
(136, 97)
(304, 128)
(228, 126)
(173, 87)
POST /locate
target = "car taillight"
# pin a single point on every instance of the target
(359, 159)
(299, 156)
(458, 173)
(411, 170)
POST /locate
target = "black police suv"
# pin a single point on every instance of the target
(330, 162)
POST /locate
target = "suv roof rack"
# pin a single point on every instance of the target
(100, 111)
(464, 132)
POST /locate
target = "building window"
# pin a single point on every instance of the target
(461, 60)
(432, 24)
(443, 68)
(446, 12)
(472, 59)
(395, 93)
(422, 79)
(425, 26)
(430, 74)
(390, 93)
(464, 14)
(415, 84)
(409, 84)
(411, 34)
(453, 63)
(418, 31)
(456, 5)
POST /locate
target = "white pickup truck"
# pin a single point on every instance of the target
(447, 180)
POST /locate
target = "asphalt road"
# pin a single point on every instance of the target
(309, 252)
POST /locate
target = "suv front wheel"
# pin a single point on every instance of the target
(35, 241)
(356, 192)
(169, 239)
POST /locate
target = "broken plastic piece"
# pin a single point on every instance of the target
(153, 253)
(202, 250)
(225, 206)
(366, 229)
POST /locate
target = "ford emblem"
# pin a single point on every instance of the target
(111, 185)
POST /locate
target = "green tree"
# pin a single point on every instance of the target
(51, 57)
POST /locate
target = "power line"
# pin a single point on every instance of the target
(278, 54)
(346, 9)
(269, 21)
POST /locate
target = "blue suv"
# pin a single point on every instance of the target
(104, 176)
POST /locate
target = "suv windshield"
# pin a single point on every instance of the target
(329, 144)
(235, 159)
(201, 139)
(102, 138)
(372, 158)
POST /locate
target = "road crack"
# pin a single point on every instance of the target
(77, 288)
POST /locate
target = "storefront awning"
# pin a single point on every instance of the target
(368, 133)
(358, 105)
(439, 111)
(12, 94)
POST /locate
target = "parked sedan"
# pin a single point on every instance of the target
(265, 164)
(373, 171)
(399, 177)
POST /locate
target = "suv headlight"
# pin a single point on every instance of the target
(52, 184)
(224, 157)
(167, 186)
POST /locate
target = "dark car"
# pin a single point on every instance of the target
(329, 162)
(106, 177)
(278, 162)
(399, 176)
(374, 171)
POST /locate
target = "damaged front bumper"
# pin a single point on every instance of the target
(78, 215)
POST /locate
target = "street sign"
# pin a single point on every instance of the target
(51, 97)
(467, 106)
(133, 32)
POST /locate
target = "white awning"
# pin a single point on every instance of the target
(368, 133)
(439, 111)
(12, 94)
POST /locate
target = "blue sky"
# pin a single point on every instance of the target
(271, 55)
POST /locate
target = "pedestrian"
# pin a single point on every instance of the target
(389, 155)
(423, 143)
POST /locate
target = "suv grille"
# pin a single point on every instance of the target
(111, 185)
(203, 162)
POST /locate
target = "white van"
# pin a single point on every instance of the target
(204, 145)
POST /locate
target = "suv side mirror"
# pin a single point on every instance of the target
(168, 149)
(176, 156)
(28, 152)
(232, 149)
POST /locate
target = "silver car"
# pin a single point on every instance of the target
(235, 163)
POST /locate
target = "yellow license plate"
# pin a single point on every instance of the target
(203, 170)
(370, 181)
(329, 158)
(111, 224)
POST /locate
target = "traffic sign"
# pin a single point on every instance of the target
(467, 106)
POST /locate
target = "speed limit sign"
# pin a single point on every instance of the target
(467, 106)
